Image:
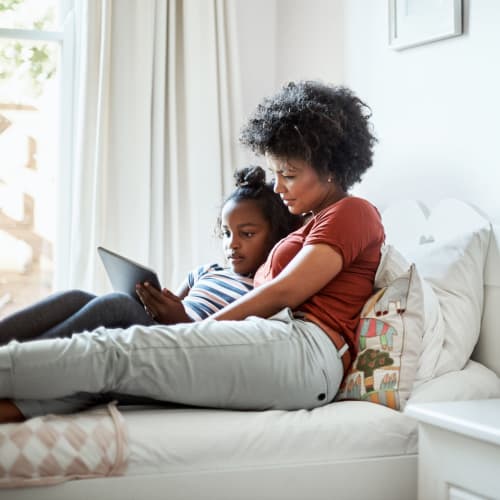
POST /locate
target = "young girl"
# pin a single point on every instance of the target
(252, 220)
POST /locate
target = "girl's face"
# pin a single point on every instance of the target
(300, 187)
(246, 236)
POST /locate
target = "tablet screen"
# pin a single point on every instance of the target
(124, 274)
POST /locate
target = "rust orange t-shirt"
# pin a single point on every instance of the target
(353, 227)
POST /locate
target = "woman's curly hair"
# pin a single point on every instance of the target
(251, 184)
(325, 125)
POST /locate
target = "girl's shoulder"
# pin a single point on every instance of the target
(217, 272)
(198, 272)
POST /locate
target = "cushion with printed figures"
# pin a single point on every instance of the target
(389, 339)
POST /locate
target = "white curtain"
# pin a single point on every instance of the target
(156, 117)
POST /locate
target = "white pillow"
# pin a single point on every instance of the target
(407, 226)
(392, 264)
(474, 381)
(453, 266)
(433, 338)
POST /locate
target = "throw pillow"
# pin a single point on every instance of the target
(453, 266)
(389, 337)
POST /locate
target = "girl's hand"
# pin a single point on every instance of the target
(164, 307)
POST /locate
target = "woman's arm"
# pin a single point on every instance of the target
(306, 274)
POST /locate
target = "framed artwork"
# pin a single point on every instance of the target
(415, 22)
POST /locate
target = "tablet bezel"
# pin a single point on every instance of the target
(124, 274)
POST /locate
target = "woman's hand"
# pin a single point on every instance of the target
(164, 307)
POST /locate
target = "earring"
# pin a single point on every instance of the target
(329, 179)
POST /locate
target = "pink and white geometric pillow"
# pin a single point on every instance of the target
(53, 449)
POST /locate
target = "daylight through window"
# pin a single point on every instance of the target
(31, 41)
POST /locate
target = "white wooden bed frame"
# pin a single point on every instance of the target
(385, 478)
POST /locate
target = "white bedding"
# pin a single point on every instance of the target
(186, 440)
(168, 441)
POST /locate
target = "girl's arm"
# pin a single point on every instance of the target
(308, 272)
(182, 290)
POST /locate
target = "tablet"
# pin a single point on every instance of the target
(124, 273)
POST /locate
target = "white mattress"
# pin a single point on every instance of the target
(186, 440)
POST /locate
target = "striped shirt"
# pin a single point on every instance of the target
(212, 287)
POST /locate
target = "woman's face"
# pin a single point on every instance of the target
(300, 187)
(246, 235)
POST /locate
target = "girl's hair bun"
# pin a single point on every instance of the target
(252, 177)
(251, 185)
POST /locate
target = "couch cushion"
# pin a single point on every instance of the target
(389, 336)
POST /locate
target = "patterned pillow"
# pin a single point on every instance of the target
(389, 339)
(55, 448)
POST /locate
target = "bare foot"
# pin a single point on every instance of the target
(9, 412)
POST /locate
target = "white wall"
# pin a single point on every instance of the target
(256, 40)
(256, 27)
(283, 40)
(309, 40)
(435, 106)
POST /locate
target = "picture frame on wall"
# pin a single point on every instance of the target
(417, 22)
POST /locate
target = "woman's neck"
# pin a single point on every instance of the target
(331, 199)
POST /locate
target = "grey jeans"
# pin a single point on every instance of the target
(277, 363)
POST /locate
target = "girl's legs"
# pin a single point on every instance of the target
(280, 363)
(112, 310)
(74, 311)
(32, 321)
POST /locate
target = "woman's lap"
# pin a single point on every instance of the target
(257, 364)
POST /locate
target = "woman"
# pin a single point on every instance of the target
(284, 345)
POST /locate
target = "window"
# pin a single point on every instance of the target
(35, 79)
